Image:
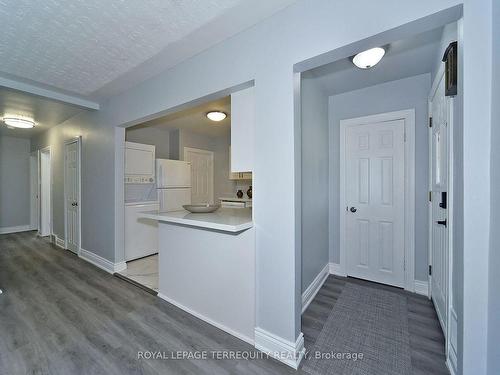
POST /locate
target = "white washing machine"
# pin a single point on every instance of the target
(141, 235)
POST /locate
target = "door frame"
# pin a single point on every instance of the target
(408, 115)
(45, 150)
(34, 191)
(212, 156)
(77, 140)
(448, 330)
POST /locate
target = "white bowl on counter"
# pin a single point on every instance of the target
(201, 208)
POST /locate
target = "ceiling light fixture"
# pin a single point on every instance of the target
(216, 115)
(368, 58)
(16, 122)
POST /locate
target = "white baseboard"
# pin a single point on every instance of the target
(314, 287)
(288, 352)
(101, 262)
(59, 242)
(17, 229)
(422, 287)
(208, 320)
(337, 269)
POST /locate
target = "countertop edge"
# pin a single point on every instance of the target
(199, 224)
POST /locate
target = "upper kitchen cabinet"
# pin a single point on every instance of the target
(242, 130)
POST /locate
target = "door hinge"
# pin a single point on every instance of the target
(430, 122)
(430, 196)
(430, 270)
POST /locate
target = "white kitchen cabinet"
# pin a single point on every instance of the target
(237, 175)
(242, 130)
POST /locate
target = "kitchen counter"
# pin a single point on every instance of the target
(206, 266)
(224, 219)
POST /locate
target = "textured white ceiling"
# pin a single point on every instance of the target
(81, 45)
(195, 120)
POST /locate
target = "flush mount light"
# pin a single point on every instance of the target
(368, 58)
(16, 122)
(216, 115)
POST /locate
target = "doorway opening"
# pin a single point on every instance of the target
(375, 197)
(174, 160)
(45, 183)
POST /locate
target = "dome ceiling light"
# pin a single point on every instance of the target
(18, 122)
(216, 115)
(369, 58)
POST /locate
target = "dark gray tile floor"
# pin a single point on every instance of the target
(61, 315)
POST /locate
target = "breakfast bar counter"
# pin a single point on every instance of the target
(224, 219)
(206, 266)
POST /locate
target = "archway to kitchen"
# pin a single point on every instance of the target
(184, 157)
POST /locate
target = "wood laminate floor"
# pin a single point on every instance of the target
(61, 315)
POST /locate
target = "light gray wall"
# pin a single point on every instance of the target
(314, 180)
(151, 136)
(494, 270)
(14, 182)
(267, 53)
(175, 137)
(397, 95)
(223, 186)
(98, 178)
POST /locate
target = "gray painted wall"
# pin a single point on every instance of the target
(494, 270)
(151, 136)
(14, 182)
(267, 53)
(314, 180)
(397, 95)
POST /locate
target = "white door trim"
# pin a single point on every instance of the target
(34, 191)
(212, 156)
(77, 140)
(449, 300)
(41, 151)
(408, 116)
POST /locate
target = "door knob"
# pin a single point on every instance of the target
(353, 209)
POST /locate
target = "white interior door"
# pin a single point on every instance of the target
(202, 174)
(45, 193)
(72, 194)
(374, 178)
(439, 187)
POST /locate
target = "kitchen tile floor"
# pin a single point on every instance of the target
(143, 271)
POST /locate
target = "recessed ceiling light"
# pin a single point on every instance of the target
(368, 58)
(16, 122)
(216, 115)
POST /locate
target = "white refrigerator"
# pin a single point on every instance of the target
(173, 181)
